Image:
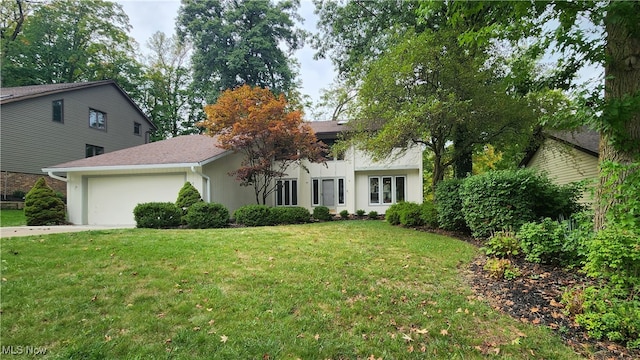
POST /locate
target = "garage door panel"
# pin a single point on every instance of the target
(111, 199)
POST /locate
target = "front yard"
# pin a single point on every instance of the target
(338, 290)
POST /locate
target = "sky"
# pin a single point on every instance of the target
(148, 16)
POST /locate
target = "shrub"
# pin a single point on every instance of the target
(404, 213)
(360, 213)
(344, 214)
(290, 215)
(502, 268)
(542, 242)
(373, 215)
(429, 214)
(449, 205)
(253, 215)
(157, 215)
(322, 213)
(42, 206)
(502, 244)
(614, 254)
(187, 196)
(507, 199)
(202, 215)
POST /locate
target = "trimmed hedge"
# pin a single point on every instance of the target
(253, 215)
(42, 206)
(507, 199)
(448, 205)
(157, 215)
(187, 196)
(289, 215)
(429, 214)
(404, 213)
(202, 215)
(322, 213)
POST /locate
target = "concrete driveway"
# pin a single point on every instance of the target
(14, 231)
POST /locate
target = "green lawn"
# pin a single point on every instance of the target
(338, 290)
(12, 218)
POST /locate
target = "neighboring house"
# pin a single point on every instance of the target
(51, 124)
(567, 157)
(105, 189)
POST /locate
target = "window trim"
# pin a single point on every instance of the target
(316, 191)
(95, 150)
(392, 192)
(53, 115)
(104, 116)
(290, 196)
(137, 128)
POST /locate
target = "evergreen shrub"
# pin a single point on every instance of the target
(42, 206)
(202, 215)
(373, 215)
(322, 213)
(290, 215)
(253, 215)
(404, 213)
(344, 214)
(157, 215)
(187, 196)
(429, 214)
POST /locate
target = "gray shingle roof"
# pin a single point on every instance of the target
(583, 139)
(186, 149)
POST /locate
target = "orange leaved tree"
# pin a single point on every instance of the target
(255, 122)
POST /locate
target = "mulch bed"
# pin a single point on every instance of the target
(534, 297)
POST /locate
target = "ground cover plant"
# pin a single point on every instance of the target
(336, 290)
(12, 218)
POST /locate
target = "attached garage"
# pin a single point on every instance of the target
(111, 199)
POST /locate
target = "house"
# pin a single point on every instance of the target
(56, 123)
(567, 157)
(105, 189)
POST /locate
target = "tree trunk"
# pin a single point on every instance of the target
(463, 155)
(622, 80)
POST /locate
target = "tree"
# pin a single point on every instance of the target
(168, 95)
(42, 206)
(429, 90)
(65, 41)
(605, 33)
(240, 42)
(260, 125)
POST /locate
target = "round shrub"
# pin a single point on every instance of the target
(429, 214)
(322, 213)
(253, 215)
(542, 242)
(405, 214)
(344, 214)
(204, 215)
(448, 205)
(372, 215)
(392, 215)
(187, 196)
(507, 199)
(157, 215)
(290, 215)
(42, 206)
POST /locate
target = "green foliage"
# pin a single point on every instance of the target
(623, 192)
(407, 214)
(42, 206)
(608, 315)
(283, 215)
(507, 199)
(373, 215)
(501, 268)
(542, 242)
(187, 196)
(448, 204)
(344, 214)
(614, 254)
(157, 215)
(360, 213)
(253, 215)
(202, 215)
(429, 214)
(322, 213)
(502, 244)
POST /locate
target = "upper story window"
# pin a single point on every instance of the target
(97, 119)
(137, 128)
(58, 111)
(93, 150)
(332, 153)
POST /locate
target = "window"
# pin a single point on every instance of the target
(136, 128)
(287, 192)
(326, 191)
(92, 150)
(97, 119)
(386, 189)
(58, 111)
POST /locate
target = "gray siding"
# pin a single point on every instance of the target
(31, 140)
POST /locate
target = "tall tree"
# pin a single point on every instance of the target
(168, 94)
(240, 42)
(70, 41)
(605, 33)
(261, 126)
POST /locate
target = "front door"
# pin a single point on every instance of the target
(328, 193)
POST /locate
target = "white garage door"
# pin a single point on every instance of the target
(111, 199)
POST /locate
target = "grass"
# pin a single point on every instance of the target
(12, 218)
(337, 290)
